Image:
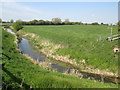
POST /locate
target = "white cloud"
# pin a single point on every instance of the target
(12, 10)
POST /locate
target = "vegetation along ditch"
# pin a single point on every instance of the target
(40, 59)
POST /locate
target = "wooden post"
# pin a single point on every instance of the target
(100, 38)
(111, 32)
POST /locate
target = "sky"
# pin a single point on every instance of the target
(118, 11)
(87, 12)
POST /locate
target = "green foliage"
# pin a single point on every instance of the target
(83, 42)
(95, 23)
(17, 69)
(0, 20)
(11, 21)
(56, 21)
(7, 24)
(17, 25)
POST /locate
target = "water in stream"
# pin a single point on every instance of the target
(27, 49)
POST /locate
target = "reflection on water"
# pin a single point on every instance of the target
(25, 48)
(59, 68)
(11, 31)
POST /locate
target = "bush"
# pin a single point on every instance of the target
(95, 23)
(17, 25)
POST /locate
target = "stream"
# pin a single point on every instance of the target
(26, 48)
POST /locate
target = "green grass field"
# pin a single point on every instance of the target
(18, 72)
(86, 42)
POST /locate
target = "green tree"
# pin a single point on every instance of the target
(56, 21)
(41, 22)
(102, 23)
(11, 21)
(95, 23)
(66, 22)
(17, 25)
(0, 20)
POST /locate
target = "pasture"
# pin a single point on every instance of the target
(82, 42)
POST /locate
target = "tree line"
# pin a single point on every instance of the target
(54, 21)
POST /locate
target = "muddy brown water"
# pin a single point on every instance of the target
(25, 48)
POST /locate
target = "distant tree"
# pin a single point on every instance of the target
(56, 21)
(0, 20)
(66, 22)
(102, 23)
(34, 21)
(71, 23)
(48, 23)
(17, 25)
(85, 23)
(118, 23)
(95, 23)
(24, 23)
(11, 21)
(80, 23)
(41, 22)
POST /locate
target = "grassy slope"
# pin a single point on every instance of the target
(82, 43)
(19, 68)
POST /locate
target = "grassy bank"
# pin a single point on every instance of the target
(18, 72)
(81, 42)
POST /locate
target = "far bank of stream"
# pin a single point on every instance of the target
(26, 49)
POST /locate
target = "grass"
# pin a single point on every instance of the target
(86, 42)
(6, 24)
(17, 69)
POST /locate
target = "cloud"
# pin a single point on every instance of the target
(13, 10)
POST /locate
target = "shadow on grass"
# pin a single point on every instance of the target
(6, 56)
(15, 79)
